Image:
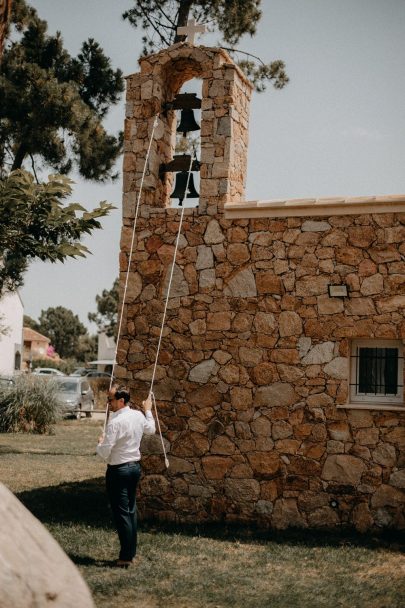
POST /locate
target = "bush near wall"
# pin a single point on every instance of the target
(30, 405)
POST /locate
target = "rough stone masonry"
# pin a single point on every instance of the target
(253, 375)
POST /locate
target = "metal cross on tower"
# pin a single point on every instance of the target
(190, 30)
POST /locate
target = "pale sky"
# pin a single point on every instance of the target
(338, 128)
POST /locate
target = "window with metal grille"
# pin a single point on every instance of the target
(376, 371)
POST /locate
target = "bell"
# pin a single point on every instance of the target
(187, 122)
(180, 187)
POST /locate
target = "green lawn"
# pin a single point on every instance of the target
(59, 478)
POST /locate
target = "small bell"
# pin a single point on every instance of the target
(180, 187)
(187, 122)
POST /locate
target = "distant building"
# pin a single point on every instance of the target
(106, 347)
(36, 346)
(105, 353)
(11, 322)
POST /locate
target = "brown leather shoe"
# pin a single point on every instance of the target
(122, 563)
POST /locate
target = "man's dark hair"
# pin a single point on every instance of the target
(121, 392)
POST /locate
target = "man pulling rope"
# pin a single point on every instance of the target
(119, 447)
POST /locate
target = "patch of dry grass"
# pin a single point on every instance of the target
(61, 481)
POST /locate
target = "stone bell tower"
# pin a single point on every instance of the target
(224, 126)
(196, 296)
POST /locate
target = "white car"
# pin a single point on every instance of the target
(47, 371)
(75, 395)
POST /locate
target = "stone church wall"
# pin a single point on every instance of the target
(255, 362)
(254, 366)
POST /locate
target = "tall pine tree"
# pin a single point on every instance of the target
(52, 105)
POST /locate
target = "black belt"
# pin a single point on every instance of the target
(123, 464)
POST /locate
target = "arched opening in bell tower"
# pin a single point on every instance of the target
(181, 175)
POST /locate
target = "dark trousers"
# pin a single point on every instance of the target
(121, 482)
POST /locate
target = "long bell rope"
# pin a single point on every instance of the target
(151, 393)
(169, 285)
(131, 248)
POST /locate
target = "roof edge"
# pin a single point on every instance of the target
(315, 207)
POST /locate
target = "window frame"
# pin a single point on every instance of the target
(375, 400)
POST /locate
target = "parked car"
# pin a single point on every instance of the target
(47, 371)
(89, 372)
(80, 371)
(76, 396)
(96, 374)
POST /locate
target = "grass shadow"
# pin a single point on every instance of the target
(391, 539)
(85, 560)
(86, 503)
(82, 502)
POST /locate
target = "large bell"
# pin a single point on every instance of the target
(187, 122)
(180, 187)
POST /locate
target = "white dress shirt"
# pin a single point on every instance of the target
(123, 435)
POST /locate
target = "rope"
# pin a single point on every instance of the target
(155, 123)
(164, 315)
(151, 393)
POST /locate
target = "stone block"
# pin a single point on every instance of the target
(265, 465)
(250, 357)
(241, 398)
(213, 234)
(219, 321)
(222, 445)
(382, 254)
(286, 514)
(312, 286)
(179, 465)
(329, 306)
(281, 430)
(203, 371)
(324, 517)
(268, 283)
(277, 394)
(35, 570)
(216, 467)
(315, 226)
(264, 322)
(238, 253)
(265, 373)
(397, 479)
(206, 396)
(205, 258)
(387, 496)
(367, 436)
(361, 236)
(338, 368)
(343, 469)
(320, 353)
(289, 324)
(372, 285)
(362, 518)
(241, 285)
(242, 490)
(385, 455)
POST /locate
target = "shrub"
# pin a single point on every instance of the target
(29, 405)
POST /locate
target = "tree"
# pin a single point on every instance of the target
(52, 105)
(107, 310)
(35, 224)
(30, 322)
(63, 328)
(5, 10)
(86, 349)
(159, 19)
